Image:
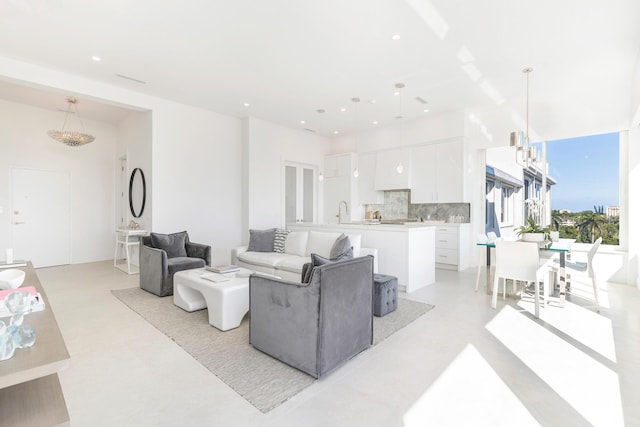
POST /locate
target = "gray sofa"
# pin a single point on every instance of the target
(162, 255)
(315, 326)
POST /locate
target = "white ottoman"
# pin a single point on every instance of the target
(226, 301)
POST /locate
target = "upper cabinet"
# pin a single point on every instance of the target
(393, 169)
(437, 173)
(367, 194)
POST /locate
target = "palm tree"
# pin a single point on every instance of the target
(591, 224)
(556, 219)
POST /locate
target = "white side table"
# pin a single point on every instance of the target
(125, 238)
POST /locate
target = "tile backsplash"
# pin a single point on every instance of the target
(397, 205)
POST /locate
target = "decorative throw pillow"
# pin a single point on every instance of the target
(261, 240)
(320, 242)
(279, 239)
(341, 246)
(318, 260)
(173, 244)
(306, 272)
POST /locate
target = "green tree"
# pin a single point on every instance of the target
(591, 226)
(567, 232)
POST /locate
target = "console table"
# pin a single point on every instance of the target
(126, 238)
(30, 392)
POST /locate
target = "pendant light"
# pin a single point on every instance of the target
(70, 137)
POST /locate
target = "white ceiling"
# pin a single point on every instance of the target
(289, 58)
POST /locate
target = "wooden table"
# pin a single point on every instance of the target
(30, 392)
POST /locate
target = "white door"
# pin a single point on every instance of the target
(41, 216)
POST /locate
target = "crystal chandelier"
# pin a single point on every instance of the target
(69, 137)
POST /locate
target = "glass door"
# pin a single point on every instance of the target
(299, 200)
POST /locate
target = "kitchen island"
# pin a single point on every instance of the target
(406, 251)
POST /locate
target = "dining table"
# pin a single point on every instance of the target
(560, 246)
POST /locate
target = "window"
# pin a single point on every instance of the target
(586, 198)
(490, 212)
(506, 206)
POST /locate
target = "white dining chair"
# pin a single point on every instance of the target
(582, 268)
(520, 261)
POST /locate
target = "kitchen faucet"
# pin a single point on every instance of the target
(346, 210)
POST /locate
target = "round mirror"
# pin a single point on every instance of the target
(137, 192)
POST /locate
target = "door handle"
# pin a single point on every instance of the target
(18, 222)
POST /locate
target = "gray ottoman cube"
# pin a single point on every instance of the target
(385, 294)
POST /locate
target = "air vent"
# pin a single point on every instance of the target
(420, 100)
(122, 76)
(310, 130)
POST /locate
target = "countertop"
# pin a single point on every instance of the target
(381, 227)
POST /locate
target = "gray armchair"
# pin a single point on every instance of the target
(161, 255)
(315, 326)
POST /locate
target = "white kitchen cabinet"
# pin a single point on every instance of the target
(367, 194)
(338, 165)
(393, 169)
(437, 173)
(406, 252)
(453, 246)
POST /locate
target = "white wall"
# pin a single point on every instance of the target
(633, 202)
(24, 143)
(269, 146)
(134, 144)
(197, 176)
(195, 162)
(429, 129)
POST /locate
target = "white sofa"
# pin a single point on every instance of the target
(299, 245)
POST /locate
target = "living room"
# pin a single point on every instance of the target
(218, 174)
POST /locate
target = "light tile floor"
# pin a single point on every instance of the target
(461, 364)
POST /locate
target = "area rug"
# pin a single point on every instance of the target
(260, 379)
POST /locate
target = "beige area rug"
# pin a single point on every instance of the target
(260, 379)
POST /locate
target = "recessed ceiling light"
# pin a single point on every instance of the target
(426, 110)
(343, 109)
(302, 122)
(396, 93)
(96, 58)
(395, 37)
(246, 104)
(335, 132)
(375, 122)
(372, 101)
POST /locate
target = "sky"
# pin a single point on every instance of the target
(586, 170)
